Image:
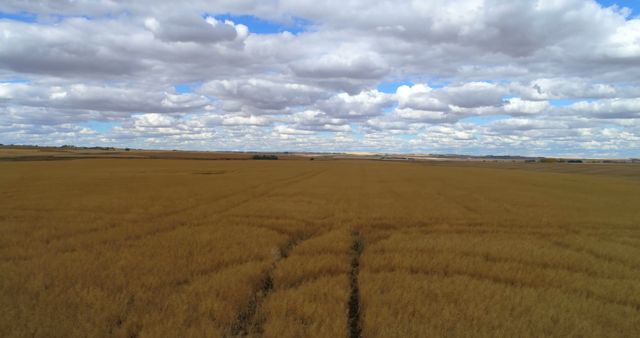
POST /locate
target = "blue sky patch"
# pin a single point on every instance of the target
(437, 84)
(41, 19)
(563, 102)
(568, 102)
(14, 81)
(184, 88)
(261, 26)
(100, 126)
(391, 87)
(482, 120)
(634, 5)
(407, 137)
(19, 16)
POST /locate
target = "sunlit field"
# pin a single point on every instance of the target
(324, 248)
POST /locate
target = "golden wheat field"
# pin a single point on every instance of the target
(349, 248)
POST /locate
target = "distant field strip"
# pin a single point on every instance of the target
(324, 248)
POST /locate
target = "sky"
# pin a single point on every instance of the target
(479, 77)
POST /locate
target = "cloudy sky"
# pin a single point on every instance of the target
(539, 77)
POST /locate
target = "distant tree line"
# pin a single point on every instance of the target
(265, 157)
(559, 160)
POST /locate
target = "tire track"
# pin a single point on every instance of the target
(354, 310)
(247, 324)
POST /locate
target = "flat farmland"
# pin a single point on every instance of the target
(324, 248)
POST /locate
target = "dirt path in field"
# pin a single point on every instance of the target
(247, 323)
(355, 328)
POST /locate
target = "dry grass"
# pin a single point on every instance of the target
(140, 247)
